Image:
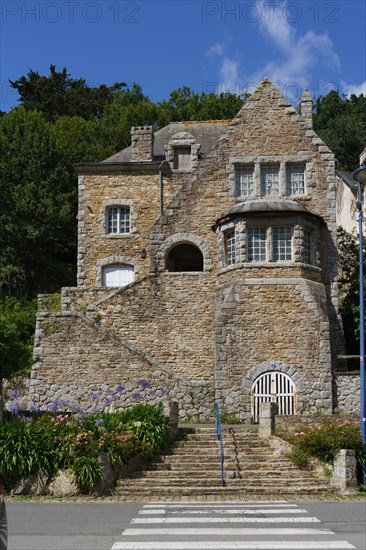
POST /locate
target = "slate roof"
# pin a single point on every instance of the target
(205, 132)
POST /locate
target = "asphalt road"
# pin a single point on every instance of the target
(99, 525)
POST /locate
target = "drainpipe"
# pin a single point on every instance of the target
(164, 164)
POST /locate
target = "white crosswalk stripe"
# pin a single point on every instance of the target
(252, 526)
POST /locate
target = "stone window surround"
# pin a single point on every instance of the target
(282, 162)
(114, 260)
(184, 238)
(182, 139)
(103, 218)
(298, 226)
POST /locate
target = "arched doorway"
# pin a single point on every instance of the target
(184, 257)
(276, 387)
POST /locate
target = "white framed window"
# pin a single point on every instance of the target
(244, 181)
(270, 176)
(307, 244)
(118, 220)
(117, 275)
(257, 243)
(282, 243)
(230, 247)
(295, 180)
(182, 158)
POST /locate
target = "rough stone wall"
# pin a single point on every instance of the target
(346, 391)
(170, 317)
(264, 321)
(75, 358)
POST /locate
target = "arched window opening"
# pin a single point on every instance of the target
(117, 275)
(184, 257)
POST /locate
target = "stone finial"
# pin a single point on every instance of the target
(267, 419)
(306, 108)
(142, 142)
(345, 471)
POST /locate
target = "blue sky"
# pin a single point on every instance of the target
(206, 45)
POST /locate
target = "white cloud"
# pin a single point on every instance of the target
(298, 55)
(353, 89)
(229, 75)
(294, 59)
(216, 49)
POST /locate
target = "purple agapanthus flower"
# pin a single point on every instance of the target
(53, 406)
(14, 406)
(136, 395)
(13, 394)
(99, 421)
(33, 407)
(143, 383)
(95, 395)
(120, 388)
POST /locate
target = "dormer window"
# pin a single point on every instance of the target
(118, 220)
(182, 158)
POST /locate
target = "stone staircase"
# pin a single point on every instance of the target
(253, 469)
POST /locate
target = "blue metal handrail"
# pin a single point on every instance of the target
(219, 437)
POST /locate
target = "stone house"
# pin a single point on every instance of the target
(207, 270)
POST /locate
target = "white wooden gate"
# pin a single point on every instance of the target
(276, 387)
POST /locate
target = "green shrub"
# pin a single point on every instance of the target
(324, 440)
(25, 449)
(75, 440)
(86, 472)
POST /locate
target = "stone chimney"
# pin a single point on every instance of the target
(306, 108)
(142, 142)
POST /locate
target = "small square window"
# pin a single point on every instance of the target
(269, 180)
(244, 181)
(295, 180)
(282, 246)
(182, 158)
(257, 244)
(230, 247)
(118, 220)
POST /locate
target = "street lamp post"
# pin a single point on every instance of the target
(359, 175)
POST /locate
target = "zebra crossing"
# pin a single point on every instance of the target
(227, 526)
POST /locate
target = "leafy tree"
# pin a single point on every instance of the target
(349, 280)
(58, 94)
(129, 108)
(37, 240)
(184, 104)
(15, 356)
(341, 123)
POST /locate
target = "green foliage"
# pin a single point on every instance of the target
(86, 472)
(324, 440)
(349, 297)
(25, 449)
(60, 95)
(38, 234)
(229, 418)
(75, 441)
(341, 122)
